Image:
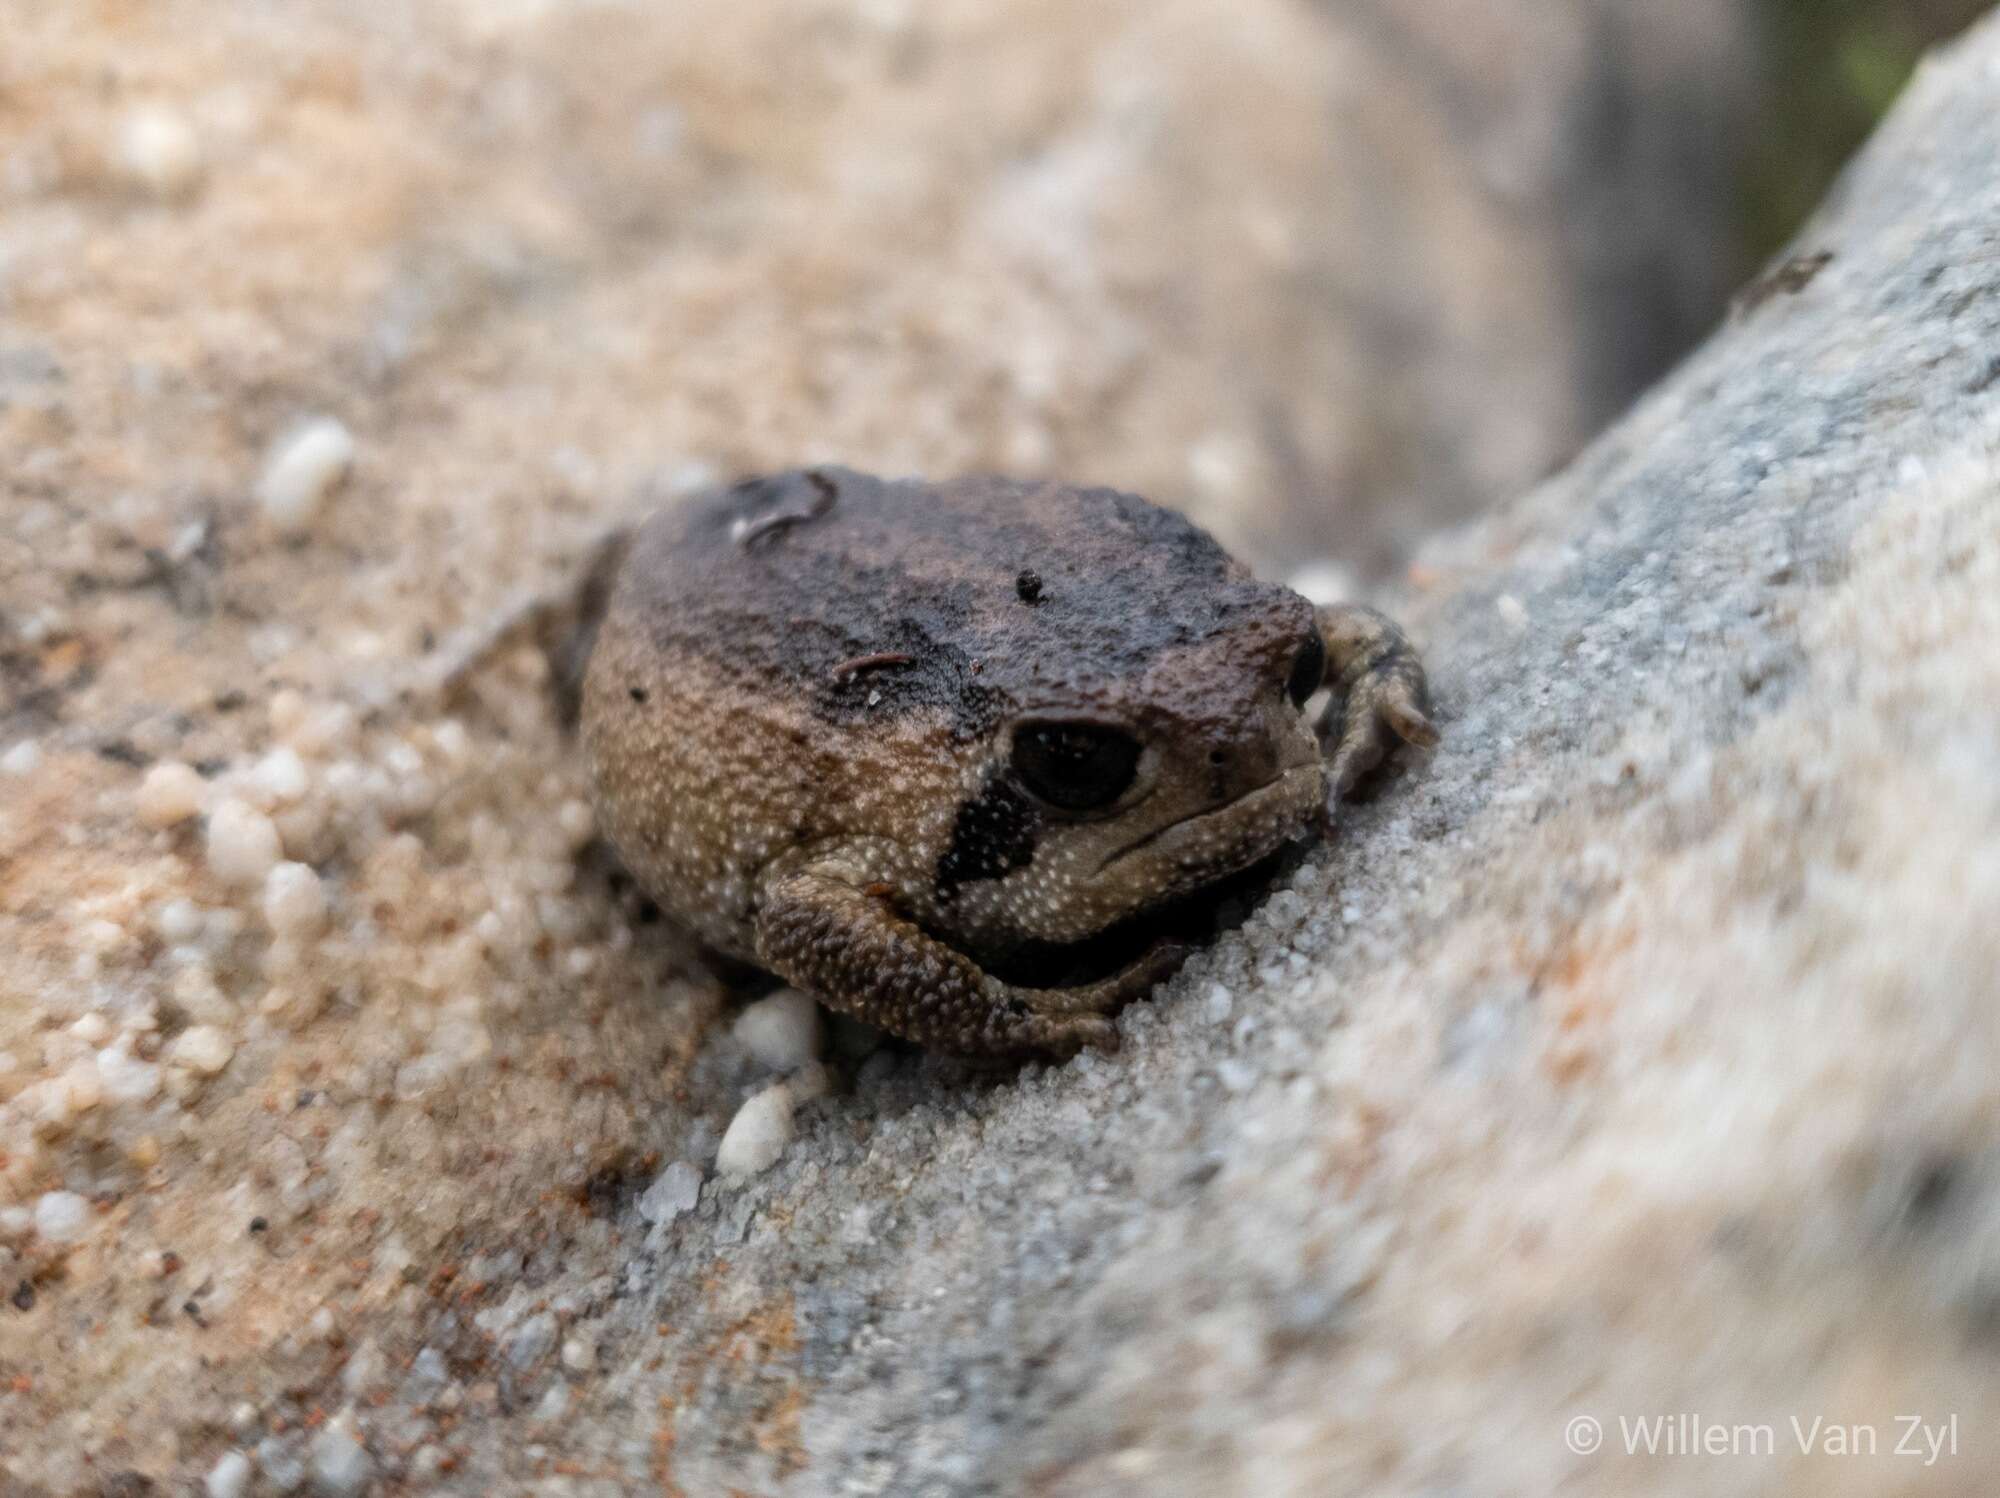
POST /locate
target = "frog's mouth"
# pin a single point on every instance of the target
(1190, 921)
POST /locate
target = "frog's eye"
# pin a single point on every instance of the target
(1308, 670)
(1075, 766)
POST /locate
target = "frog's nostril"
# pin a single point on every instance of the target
(1217, 758)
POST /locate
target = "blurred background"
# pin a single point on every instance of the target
(1327, 273)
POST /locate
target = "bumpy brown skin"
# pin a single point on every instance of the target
(800, 712)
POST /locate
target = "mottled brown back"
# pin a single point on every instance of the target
(998, 592)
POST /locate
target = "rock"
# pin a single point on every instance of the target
(280, 1463)
(229, 1477)
(126, 1078)
(169, 795)
(278, 779)
(783, 1031)
(428, 1375)
(61, 1216)
(341, 1466)
(202, 1049)
(533, 1341)
(758, 1134)
(294, 901)
(302, 469)
(674, 1191)
(157, 151)
(243, 844)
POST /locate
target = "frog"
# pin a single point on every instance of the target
(966, 760)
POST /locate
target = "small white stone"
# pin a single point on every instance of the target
(532, 1342)
(103, 937)
(674, 1191)
(230, 1476)
(81, 1087)
(782, 1031)
(203, 1049)
(577, 822)
(179, 921)
(365, 1369)
(157, 150)
(423, 1075)
(553, 1405)
(578, 1355)
(92, 1029)
(125, 1078)
(302, 468)
(341, 1466)
(278, 779)
(1513, 613)
(758, 1134)
(1215, 1008)
(294, 901)
(23, 759)
(1235, 1075)
(328, 729)
(243, 843)
(170, 794)
(61, 1216)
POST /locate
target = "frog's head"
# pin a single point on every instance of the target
(1108, 804)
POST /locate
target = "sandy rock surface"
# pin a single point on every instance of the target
(356, 1134)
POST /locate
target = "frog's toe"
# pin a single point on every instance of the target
(1379, 712)
(1386, 695)
(1064, 1034)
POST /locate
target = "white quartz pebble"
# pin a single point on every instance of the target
(243, 843)
(61, 1216)
(302, 469)
(170, 794)
(783, 1031)
(157, 150)
(203, 1049)
(230, 1476)
(294, 901)
(758, 1134)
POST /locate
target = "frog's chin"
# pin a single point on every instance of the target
(1188, 921)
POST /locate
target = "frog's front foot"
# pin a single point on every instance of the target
(1382, 695)
(852, 950)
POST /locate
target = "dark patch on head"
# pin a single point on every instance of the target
(24, 1296)
(638, 693)
(1028, 586)
(995, 834)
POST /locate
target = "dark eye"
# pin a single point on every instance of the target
(1308, 671)
(1075, 766)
